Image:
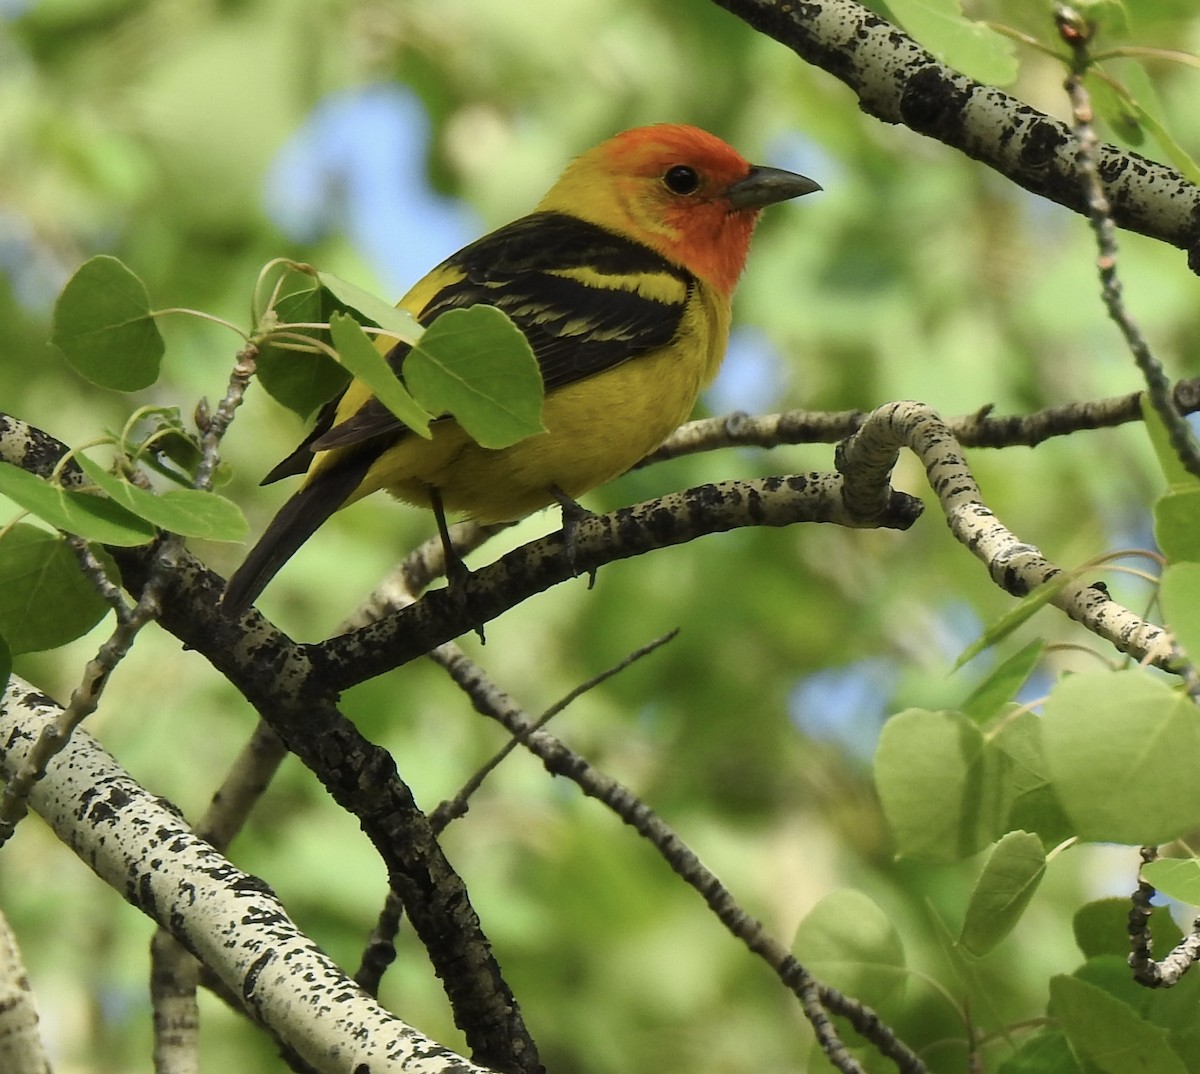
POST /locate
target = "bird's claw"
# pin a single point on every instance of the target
(457, 572)
(573, 513)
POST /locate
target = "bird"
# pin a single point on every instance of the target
(621, 279)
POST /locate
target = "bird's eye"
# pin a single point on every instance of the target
(682, 179)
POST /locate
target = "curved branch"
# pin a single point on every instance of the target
(897, 81)
(867, 459)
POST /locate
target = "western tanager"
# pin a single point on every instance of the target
(620, 279)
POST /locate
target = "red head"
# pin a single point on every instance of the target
(679, 190)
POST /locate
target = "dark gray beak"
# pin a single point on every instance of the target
(766, 186)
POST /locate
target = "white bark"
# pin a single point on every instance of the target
(1016, 566)
(20, 1046)
(141, 847)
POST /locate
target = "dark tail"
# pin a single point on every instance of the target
(296, 521)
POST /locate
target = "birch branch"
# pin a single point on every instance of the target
(866, 461)
(229, 920)
(21, 1049)
(897, 81)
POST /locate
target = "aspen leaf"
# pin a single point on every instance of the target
(104, 328)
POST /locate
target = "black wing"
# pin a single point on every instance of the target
(585, 298)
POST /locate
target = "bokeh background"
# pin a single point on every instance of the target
(198, 139)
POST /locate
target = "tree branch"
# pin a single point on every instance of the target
(560, 760)
(979, 429)
(21, 1050)
(679, 517)
(897, 81)
(866, 460)
(231, 921)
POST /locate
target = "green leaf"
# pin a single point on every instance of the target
(1110, 973)
(166, 446)
(1179, 591)
(96, 518)
(850, 943)
(104, 328)
(1177, 525)
(1143, 101)
(45, 601)
(998, 688)
(395, 321)
(298, 379)
(360, 356)
(1045, 1052)
(970, 47)
(1121, 749)
(1108, 1032)
(1030, 801)
(1177, 878)
(1017, 615)
(1014, 868)
(1101, 927)
(1173, 470)
(1106, 16)
(1112, 104)
(188, 512)
(477, 365)
(934, 785)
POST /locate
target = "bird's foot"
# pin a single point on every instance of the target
(458, 575)
(457, 572)
(573, 513)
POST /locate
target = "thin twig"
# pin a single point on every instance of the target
(560, 760)
(456, 807)
(1076, 31)
(982, 428)
(1146, 971)
(380, 951)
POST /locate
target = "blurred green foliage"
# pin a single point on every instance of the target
(147, 130)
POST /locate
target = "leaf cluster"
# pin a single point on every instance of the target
(1006, 790)
(472, 364)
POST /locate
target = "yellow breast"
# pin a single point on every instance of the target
(596, 429)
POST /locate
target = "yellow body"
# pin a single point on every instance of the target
(596, 429)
